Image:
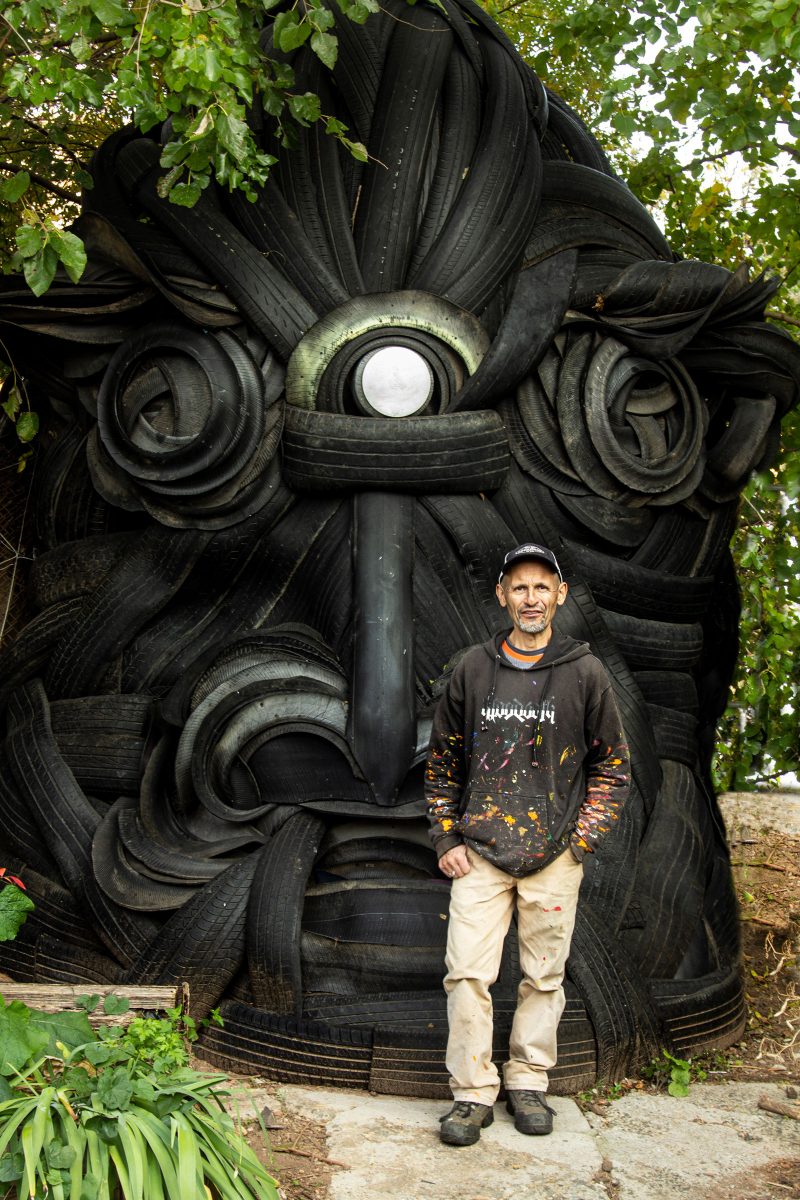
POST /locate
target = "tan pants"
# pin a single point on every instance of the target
(481, 906)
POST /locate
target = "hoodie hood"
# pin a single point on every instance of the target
(561, 648)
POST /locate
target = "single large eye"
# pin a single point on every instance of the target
(397, 354)
(393, 382)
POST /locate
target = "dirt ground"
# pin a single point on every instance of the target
(295, 1151)
(767, 876)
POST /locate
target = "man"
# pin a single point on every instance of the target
(527, 771)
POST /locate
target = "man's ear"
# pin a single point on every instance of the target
(562, 593)
(501, 596)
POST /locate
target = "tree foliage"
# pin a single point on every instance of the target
(74, 69)
(698, 105)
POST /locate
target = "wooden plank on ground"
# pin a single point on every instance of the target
(61, 997)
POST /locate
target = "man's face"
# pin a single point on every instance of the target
(531, 593)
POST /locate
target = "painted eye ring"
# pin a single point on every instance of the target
(323, 371)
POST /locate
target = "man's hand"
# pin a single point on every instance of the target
(455, 862)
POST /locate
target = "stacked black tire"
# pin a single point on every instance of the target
(247, 592)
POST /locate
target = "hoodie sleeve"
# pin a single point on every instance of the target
(608, 774)
(446, 767)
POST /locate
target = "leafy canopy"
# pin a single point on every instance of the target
(698, 106)
(72, 70)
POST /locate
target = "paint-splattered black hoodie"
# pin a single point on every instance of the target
(523, 763)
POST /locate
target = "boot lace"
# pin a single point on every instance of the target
(536, 1098)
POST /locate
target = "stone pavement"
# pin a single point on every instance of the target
(711, 1145)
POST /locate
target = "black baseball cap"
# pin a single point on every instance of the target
(527, 551)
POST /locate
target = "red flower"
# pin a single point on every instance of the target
(11, 879)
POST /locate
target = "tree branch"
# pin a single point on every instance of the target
(47, 184)
(46, 135)
(508, 7)
(775, 315)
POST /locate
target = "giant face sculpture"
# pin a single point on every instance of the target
(289, 443)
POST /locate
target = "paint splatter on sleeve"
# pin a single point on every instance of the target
(445, 769)
(608, 777)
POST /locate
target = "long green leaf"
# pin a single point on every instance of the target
(190, 1173)
(241, 1170)
(33, 1137)
(98, 1162)
(74, 1136)
(226, 1180)
(155, 1134)
(135, 1155)
(122, 1171)
(238, 1179)
(11, 1123)
(56, 1190)
(153, 1180)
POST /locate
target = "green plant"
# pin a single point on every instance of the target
(674, 1073)
(14, 905)
(88, 1115)
(604, 1093)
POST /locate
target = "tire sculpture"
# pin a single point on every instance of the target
(288, 442)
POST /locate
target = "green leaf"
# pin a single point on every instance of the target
(114, 1005)
(293, 35)
(59, 1157)
(27, 429)
(305, 108)
(212, 64)
(79, 1082)
(134, 1151)
(69, 1029)
(13, 402)
(90, 1187)
(40, 270)
(87, 1003)
(112, 12)
(11, 1167)
(115, 1088)
(233, 134)
(283, 21)
(81, 48)
(71, 252)
(326, 48)
(185, 194)
(19, 1043)
(14, 188)
(29, 239)
(361, 11)
(100, 1052)
(105, 1128)
(357, 149)
(14, 904)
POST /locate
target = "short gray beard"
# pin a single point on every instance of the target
(533, 626)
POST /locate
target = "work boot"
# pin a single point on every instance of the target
(531, 1112)
(463, 1124)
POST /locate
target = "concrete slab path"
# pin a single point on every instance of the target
(707, 1146)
